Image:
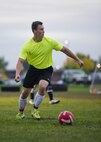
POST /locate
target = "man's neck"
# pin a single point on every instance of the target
(37, 39)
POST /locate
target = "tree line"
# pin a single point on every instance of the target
(89, 64)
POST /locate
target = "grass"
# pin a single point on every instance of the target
(85, 107)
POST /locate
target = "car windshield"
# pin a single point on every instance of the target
(78, 72)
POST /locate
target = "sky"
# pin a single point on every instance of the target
(75, 21)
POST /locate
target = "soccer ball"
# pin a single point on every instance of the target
(66, 117)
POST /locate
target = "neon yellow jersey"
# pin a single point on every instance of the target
(39, 54)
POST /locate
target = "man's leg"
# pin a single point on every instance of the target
(32, 95)
(50, 93)
(23, 103)
(39, 98)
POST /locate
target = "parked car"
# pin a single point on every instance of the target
(11, 82)
(75, 76)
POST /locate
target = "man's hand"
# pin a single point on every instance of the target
(17, 78)
(80, 62)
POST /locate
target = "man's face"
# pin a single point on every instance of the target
(40, 31)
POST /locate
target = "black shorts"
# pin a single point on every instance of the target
(34, 75)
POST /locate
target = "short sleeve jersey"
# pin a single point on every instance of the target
(39, 54)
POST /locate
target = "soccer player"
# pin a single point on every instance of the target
(38, 52)
(50, 94)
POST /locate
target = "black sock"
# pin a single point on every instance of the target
(32, 96)
(50, 95)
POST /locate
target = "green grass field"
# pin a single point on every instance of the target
(85, 107)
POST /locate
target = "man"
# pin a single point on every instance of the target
(49, 92)
(38, 52)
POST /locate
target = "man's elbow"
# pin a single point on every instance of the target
(63, 50)
(21, 60)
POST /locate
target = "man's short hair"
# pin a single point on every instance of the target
(35, 25)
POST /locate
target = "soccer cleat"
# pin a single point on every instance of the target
(54, 101)
(20, 116)
(35, 114)
(31, 101)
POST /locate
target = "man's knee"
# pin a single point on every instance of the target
(25, 92)
(43, 85)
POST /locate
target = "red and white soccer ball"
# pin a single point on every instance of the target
(66, 117)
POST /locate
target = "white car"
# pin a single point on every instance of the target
(11, 82)
(74, 76)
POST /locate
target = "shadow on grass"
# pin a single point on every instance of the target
(43, 119)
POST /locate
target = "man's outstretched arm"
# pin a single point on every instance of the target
(69, 53)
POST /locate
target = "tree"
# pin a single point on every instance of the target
(3, 66)
(3, 63)
(88, 67)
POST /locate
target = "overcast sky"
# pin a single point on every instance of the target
(78, 21)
